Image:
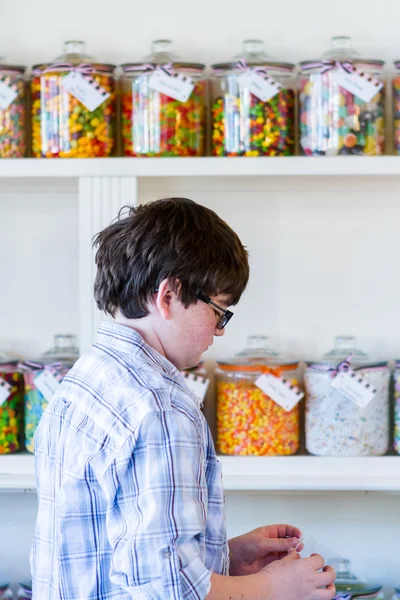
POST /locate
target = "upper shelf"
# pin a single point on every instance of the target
(200, 167)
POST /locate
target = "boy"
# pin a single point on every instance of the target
(131, 503)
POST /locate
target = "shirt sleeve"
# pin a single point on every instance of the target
(157, 521)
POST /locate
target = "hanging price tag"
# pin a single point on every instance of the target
(279, 390)
(175, 86)
(263, 88)
(354, 387)
(84, 90)
(7, 95)
(197, 385)
(5, 390)
(359, 84)
(47, 384)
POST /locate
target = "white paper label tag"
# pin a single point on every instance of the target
(47, 384)
(85, 90)
(198, 385)
(7, 95)
(279, 390)
(264, 88)
(359, 84)
(354, 387)
(5, 390)
(175, 86)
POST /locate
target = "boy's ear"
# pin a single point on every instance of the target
(166, 295)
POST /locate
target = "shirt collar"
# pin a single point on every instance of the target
(129, 341)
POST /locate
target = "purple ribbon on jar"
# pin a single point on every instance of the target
(84, 69)
(342, 367)
(328, 65)
(150, 67)
(30, 365)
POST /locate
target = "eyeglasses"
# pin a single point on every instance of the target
(224, 314)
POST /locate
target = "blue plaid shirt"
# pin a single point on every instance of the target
(130, 495)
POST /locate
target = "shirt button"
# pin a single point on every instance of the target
(166, 554)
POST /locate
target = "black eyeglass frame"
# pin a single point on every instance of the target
(226, 315)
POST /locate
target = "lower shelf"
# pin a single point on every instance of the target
(292, 473)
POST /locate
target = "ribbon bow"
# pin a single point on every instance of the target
(150, 67)
(37, 366)
(328, 65)
(343, 366)
(83, 69)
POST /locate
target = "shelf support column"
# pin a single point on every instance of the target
(100, 200)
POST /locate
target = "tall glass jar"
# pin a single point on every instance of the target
(248, 421)
(334, 424)
(396, 106)
(336, 121)
(62, 125)
(396, 416)
(5, 591)
(155, 123)
(12, 111)
(56, 362)
(349, 586)
(246, 124)
(25, 590)
(11, 407)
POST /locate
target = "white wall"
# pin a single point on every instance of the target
(324, 252)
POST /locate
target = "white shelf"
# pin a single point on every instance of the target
(310, 473)
(200, 167)
(292, 473)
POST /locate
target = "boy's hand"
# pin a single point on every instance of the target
(296, 578)
(255, 550)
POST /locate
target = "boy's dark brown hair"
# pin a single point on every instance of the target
(173, 239)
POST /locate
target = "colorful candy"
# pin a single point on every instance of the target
(11, 410)
(244, 125)
(396, 111)
(396, 437)
(62, 126)
(333, 121)
(13, 118)
(336, 426)
(251, 423)
(154, 124)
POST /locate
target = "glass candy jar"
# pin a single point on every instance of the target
(245, 120)
(12, 111)
(54, 364)
(11, 407)
(334, 424)
(25, 590)
(73, 106)
(5, 591)
(396, 107)
(396, 419)
(333, 119)
(248, 421)
(348, 586)
(156, 123)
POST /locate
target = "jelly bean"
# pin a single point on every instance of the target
(154, 124)
(243, 125)
(13, 118)
(63, 127)
(336, 426)
(11, 412)
(251, 423)
(333, 121)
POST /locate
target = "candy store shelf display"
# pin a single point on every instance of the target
(291, 473)
(292, 166)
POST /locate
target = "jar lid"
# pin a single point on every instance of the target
(26, 585)
(5, 66)
(347, 582)
(64, 349)
(254, 55)
(256, 356)
(74, 54)
(341, 49)
(161, 54)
